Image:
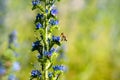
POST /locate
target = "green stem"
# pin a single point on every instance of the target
(45, 72)
(46, 45)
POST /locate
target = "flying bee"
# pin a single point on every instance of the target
(63, 37)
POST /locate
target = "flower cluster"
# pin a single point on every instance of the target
(54, 11)
(36, 73)
(49, 54)
(38, 25)
(36, 46)
(56, 38)
(54, 22)
(8, 60)
(2, 70)
(57, 67)
(35, 2)
(45, 23)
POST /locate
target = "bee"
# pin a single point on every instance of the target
(63, 37)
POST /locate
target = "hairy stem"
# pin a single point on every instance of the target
(45, 44)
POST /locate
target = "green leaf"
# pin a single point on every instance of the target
(34, 7)
(41, 8)
(54, 56)
(52, 28)
(58, 43)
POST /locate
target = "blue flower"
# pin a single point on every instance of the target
(36, 45)
(52, 50)
(54, 11)
(49, 54)
(56, 38)
(54, 22)
(12, 77)
(16, 66)
(2, 70)
(46, 10)
(39, 56)
(36, 73)
(39, 16)
(59, 67)
(39, 25)
(35, 2)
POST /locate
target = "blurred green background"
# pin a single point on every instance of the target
(92, 28)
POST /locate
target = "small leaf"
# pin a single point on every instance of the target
(34, 7)
(41, 8)
(58, 43)
(52, 28)
(54, 56)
